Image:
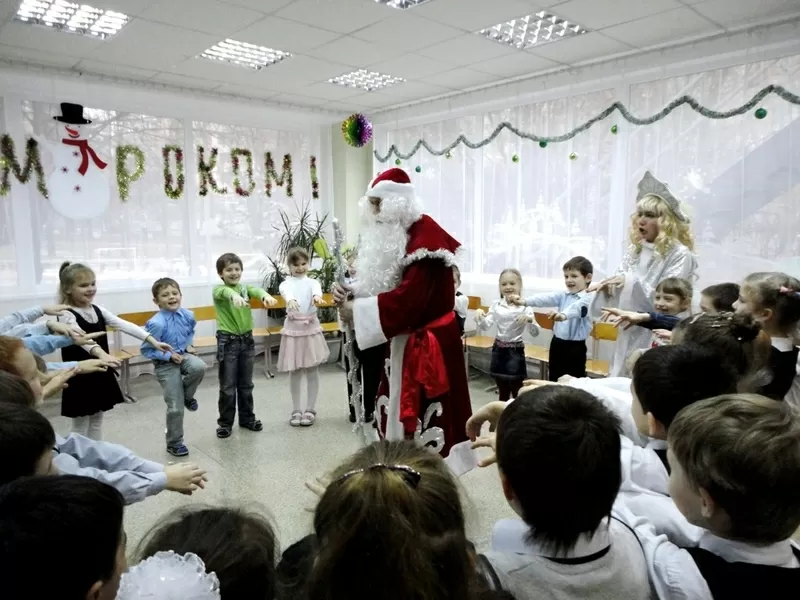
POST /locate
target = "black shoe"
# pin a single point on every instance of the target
(190, 404)
(369, 417)
(223, 432)
(253, 426)
(179, 450)
(352, 417)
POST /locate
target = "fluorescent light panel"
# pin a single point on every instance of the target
(366, 80)
(243, 54)
(81, 19)
(532, 30)
(402, 4)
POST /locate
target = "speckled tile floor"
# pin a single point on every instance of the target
(266, 470)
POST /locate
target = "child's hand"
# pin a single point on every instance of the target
(185, 478)
(523, 318)
(663, 334)
(487, 413)
(292, 306)
(238, 301)
(624, 318)
(318, 300)
(317, 486)
(487, 441)
(479, 314)
(105, 357)
(161, 346)
(92, 365)
(56, 310)
(57, 328)
(556, 316)
(268, 301)
(176, 358)
(191, 349)
(86, 338)
(58, 382)
(515, 300)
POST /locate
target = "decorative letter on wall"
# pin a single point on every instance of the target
(285, 178)
(170, 189)
(124, 176)
(8, 163)
(248, 156)
(205, 171)
(314, 180)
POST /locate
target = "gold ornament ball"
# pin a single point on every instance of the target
(572, 156)
(515, 158)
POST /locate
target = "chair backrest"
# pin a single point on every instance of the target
(473, 302)
(605, 331)
(543, 320)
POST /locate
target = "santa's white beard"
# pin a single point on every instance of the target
(382, 246)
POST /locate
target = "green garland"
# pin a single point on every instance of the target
(8, 163)
(205, 171)
(170, 189)
(125, 177)
(314, 180)
(235, 154)
(778, 90)
(271, 175)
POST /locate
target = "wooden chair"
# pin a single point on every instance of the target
(539, 353)
(601, 332)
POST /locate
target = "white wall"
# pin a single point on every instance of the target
(352, 172)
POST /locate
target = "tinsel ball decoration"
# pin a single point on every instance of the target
(418, 169)
(448, 155)
(397, 162)
(542, 143)
(761, 113)
(614, 129)
(573, 156)
(357, 130)
(515, 158)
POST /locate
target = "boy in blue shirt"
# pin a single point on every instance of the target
(571, 315)
(179, 372)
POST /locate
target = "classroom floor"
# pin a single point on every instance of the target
(266, 470)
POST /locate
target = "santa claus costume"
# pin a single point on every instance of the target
(405, 296)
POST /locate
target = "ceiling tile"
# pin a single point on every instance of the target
(344, 16)
(460, 78)
(407, 32)
(516, 65)
(208, 16)
(298, 100)
(50, 40)
(412, 66)
(414, 90)
(38, 57)
(305, 67)
(103, 68)
(184, 81)
(466, 50)
(736, 14)
(671, 26)
(473, 15)
(374, 100)
(331, 91)
(216, 71)
(288, 36)
(356, 53)
(578, 49)
(347, 106)
(131, 8)
(247, 91)
(264, 6)
(597, 14)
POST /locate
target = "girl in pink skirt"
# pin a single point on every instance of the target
(303, 347)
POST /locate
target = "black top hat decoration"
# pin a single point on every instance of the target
(72, 114)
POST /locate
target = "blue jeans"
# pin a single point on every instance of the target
(179, 383)
(236, 354)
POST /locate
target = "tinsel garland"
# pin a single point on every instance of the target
(778, 90)
(124, 176)
(170, 189)
(206, 172)
(8, 163)
(314, 180)
(357, 130)
(285, 178)
(248, 156)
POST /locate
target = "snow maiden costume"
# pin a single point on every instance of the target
(405, 295)
(647, 264)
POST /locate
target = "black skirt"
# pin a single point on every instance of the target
(508, 361)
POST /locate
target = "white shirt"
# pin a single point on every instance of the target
(462, 302)
(301, 289)
(504, 317)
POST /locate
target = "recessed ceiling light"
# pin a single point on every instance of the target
(366, 80)
(244, 55)
(402, 4)
(72, 18)
(532, 30)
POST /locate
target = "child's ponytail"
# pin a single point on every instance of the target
(391, 521)
(68, 274)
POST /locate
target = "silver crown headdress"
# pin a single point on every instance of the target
(169, 576)
(650, 186)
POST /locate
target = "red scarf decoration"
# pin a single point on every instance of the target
(86, 152)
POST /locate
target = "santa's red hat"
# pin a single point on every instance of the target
(394, 182)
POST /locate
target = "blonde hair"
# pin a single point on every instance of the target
(779, 293)
(514, 272)
(68, 275)
(744, 450)
(670, 228)
(677, 286)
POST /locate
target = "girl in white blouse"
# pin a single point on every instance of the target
(508, 352)
(303, 347)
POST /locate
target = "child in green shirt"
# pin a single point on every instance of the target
(235, 345)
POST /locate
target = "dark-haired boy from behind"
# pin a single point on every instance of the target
(179, 372)
(26, 443)
(735, 467)
(558, 458)
(572, 324)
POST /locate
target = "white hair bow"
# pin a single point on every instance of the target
(169, 576)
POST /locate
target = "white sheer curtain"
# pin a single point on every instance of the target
(8, 260)
(740, 178)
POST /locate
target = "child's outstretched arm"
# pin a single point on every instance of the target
(484, 321)
(155, 330)
(132, 330)
(261, 294)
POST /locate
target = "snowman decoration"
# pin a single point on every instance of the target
(78, 186)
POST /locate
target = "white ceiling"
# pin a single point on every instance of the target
(433, 46)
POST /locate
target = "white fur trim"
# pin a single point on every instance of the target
(389, 188)
(394, 428)
(448, 257)
(367, 321)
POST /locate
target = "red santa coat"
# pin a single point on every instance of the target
(424, 395)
